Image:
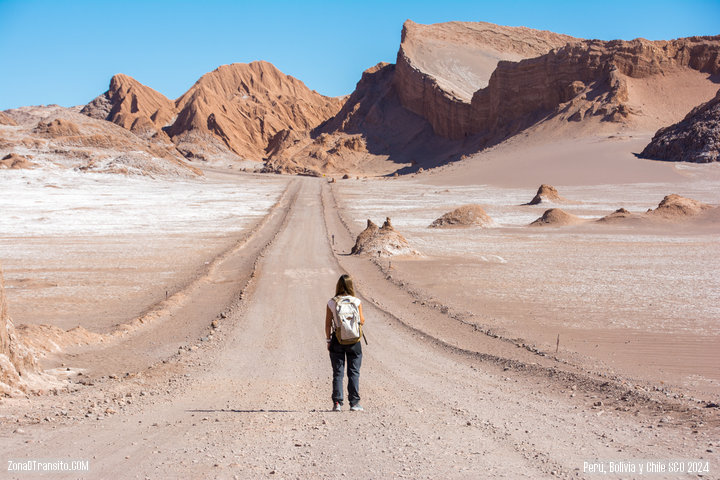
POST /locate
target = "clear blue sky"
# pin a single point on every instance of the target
(65, 52)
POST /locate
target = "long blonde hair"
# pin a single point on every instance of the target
(344, 286)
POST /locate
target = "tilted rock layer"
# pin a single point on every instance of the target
(441, 66)
(477, 78)
(695, 139)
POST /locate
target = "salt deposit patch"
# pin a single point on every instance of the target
(104, 204)
(662, 281)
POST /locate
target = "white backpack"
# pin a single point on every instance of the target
(347, 320)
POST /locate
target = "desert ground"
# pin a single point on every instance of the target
(166, 265)
(228, 377)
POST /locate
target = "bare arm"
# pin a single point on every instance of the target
(362, 317)
(328, 322)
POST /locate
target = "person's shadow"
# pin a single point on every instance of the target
(259, 410)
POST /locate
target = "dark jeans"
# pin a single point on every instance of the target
(338, 354)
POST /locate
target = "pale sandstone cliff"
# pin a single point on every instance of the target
(593, 72)
(520, 76)
(441, 66)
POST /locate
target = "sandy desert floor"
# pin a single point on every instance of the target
(204, 385)
(637, 300)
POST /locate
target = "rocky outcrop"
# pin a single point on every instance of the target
(547, 194)
(234, 111)
(384, 241)
(556, 217)
(58, 127)
(13, 161)
(62, 137)
(469, 79)
(694, 139)
(465, 215)
(674, 206)
(520, 93)
(244, 106)
(441, 66)
(672, 209)
(133, 106)
(372, 130)
(18, 367)
(6, 120)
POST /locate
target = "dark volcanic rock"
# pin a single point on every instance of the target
(694, 139)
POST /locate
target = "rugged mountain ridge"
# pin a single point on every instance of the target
(133, 106)
(457, 88)
(695, 139)
(234, 110)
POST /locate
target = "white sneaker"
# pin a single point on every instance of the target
(337, 407)
(357, 408)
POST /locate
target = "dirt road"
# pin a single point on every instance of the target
(254, 401)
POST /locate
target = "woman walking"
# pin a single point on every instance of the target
(343, 330)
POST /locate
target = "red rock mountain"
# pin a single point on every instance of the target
(133, 106)
(234, 109)
(246, 105)
(457, 88)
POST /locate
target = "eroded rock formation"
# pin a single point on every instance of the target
(133, 106)
(18, 367)
(695, 139)
(465, 215)
(557, 217)
(383, 242)
(246, 105)
(63, 137)
(14, 161)
(441, 66)
(457, 87)
(675, 206)
(474, 78)
(547, 194)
